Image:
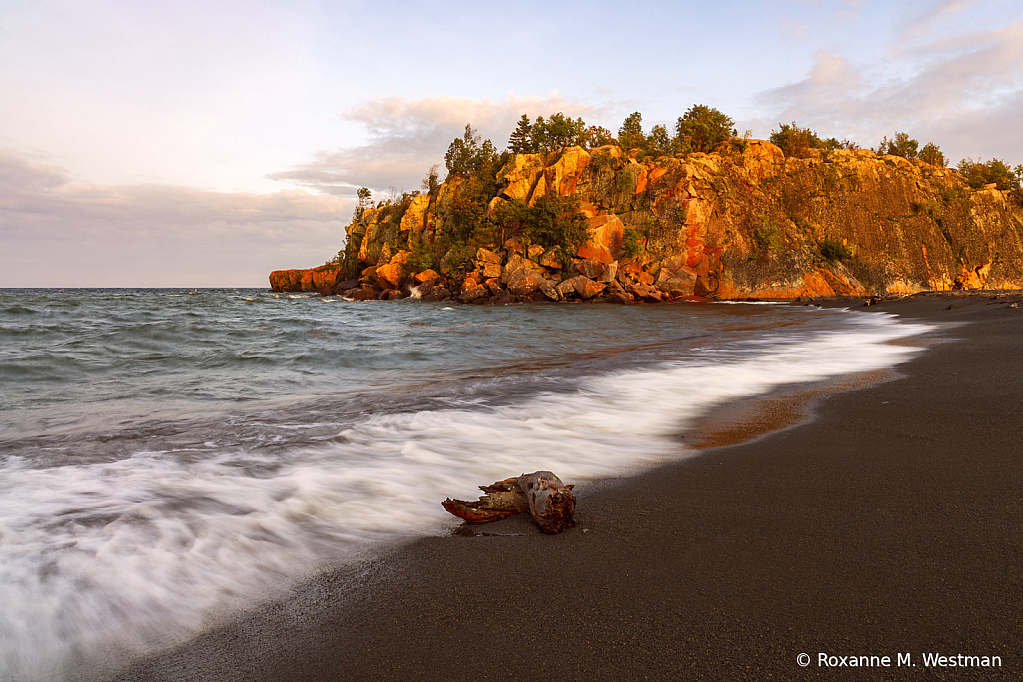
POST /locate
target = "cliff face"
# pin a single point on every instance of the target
(743, 222)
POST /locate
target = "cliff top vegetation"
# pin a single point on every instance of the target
(471, 217)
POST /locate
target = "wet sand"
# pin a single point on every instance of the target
(891, 523)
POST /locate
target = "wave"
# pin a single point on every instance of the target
(138, 553)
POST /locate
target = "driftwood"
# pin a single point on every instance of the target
(540, 493)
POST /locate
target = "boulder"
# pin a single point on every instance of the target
(487, 256)
(584, 286)
(551, 260)
(504, 298)
(621, 298)
(609, 274)
(437, 294)
(390, 276)
(590, 267)
(566, 288)
(516, 263)
(489, 270)
(525, 282)
(646, 293)
(365, 294)
(494, 284)
(427, 276)
(346, 285)
(596, 251)
(474, 294)
(550, 291)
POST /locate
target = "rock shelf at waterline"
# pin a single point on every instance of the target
(514, 274)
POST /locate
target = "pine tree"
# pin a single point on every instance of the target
(521, 140)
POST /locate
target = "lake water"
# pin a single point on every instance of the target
(167, 456)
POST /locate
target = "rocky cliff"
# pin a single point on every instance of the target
(742, 222)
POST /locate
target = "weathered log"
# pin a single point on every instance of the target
(540, 493)
(502, 499)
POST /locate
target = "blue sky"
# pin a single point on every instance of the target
(206, 143)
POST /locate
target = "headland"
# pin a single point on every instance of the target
(743, 221)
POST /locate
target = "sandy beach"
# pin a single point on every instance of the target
(890, 523)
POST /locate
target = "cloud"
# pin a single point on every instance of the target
(406, 137)
(59, 232)
(794, 31)
(927, 20)
(959, 91)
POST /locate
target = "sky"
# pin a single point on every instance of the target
(204, 143)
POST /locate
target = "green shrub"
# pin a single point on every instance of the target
(931, 154)
(834, 250)
(795, 141)
(420, 259)
(995, 171)
(632, 245)
(767, 236)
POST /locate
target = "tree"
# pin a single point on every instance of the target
(795, 141)
(365, 201)
(931, 154)
(597, 136)
(431, 183)
(521, 140)
(630, 135)
(660, 143)
(903, 146)
(995, 172)
(702, 128)
(557, 133)
(467, 155)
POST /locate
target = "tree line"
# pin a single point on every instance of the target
(555, 221)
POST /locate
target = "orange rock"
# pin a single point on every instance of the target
(390, 275)
(320, 280)
(550, 260)
(606, 233)
(489, 270)
(427, 276)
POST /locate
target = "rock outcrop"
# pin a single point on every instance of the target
(322, 280)
(744, 221)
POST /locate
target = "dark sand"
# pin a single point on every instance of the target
(890, 523)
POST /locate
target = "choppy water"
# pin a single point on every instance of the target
(168, 455)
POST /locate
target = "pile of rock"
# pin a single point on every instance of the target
(516, 273)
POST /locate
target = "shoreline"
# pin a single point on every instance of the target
(886, 524)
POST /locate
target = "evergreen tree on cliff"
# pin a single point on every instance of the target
(703, 128)
(521, 140)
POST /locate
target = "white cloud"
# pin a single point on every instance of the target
(57, 232)
(961, 91)
(406, 137)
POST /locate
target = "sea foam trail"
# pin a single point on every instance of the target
(105, 559)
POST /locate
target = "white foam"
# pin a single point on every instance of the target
(138, 553)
